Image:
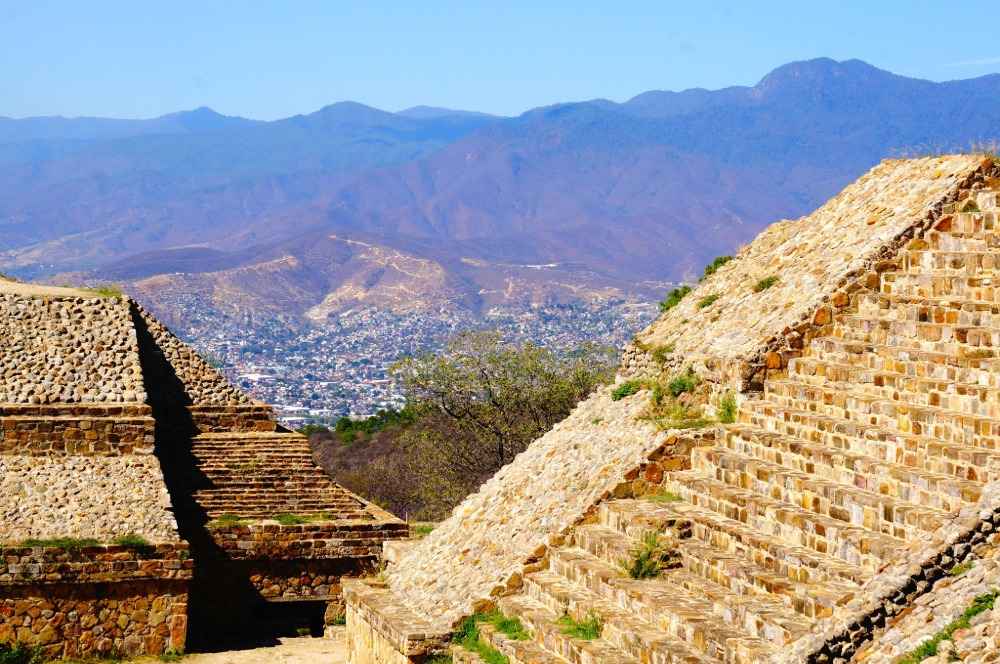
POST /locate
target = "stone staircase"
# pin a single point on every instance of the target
(260, 475)
(887, 424)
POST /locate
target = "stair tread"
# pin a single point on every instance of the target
(824, 564)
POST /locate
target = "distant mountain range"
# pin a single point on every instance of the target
(352, 204)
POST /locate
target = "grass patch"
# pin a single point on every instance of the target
(728, 408)
(135, 542)
(289, 519)
(708, 301)
(648, 559)
(663, 497)
(960, 569)
(467, 636)
(18, 653)
(674, 298)
(929, 648)
(686, 382)
(107, 290)
(339, 621)
(626, 389)
(227, 520)
(421, 529)
(64, 543)
(765, 283)
(171, 656)
(714, 266)
(587, 629)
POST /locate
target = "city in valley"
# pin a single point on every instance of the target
(318, 373)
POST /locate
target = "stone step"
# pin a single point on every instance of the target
(970, 222)
(791, 523)
(839, 400)
(978, 289)
(858, 465)
(744, 578)
(708, 618)
(543, 623)
(917, 335)
(917, 390)
(704, 526)
(946, 240)
(965, 461)
(949, 263)
(516, 651)
(809, 490)
(975, 366)
(941, 310)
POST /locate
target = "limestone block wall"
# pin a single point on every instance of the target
(76, 429)
(71, 620)
(203, 384)
(84, 497)
(241, 417)
(817, 260)
(333, 540)
(68, 350)
(483, 547)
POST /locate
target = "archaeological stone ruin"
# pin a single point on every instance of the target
(847, 511)
(145, 503)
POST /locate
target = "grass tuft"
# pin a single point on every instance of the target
(728, 408)
(714, 266)
(421, 529)
(674, 298)
(661, 354)
(765, 283)
(135, 542)
(663, 497)
(468, 637)
(626, 389)
(960, 569)
(107, 290)
(708, 301)
(19, 653)
(929, 648)
(587, 629)
(970, 206)
(64, 543)
(686, 382)
(648, 559)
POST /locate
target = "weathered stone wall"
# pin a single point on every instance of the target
(33, 565)
(334, 540)
(484, 545)
(381, 632)
(79, 429)
(220, 419)
(306, 579)
(68, 350)
(100, 619)
(203, 384)
(84, 497)
(818, 261)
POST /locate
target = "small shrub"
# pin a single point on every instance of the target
(708, 301)
(303, 631)
(421, 529)
(661, 354)
(171, 656)
(626, 389)
(960, 569)
(64, 543)
(674, 298)
(19, 654)
(727, 409)
(664, 497)
(714, 266)
(930, 648)
(970, 206)
(686, 382)
(587, 629)
(648, 558)
(765, 283)
(340, 620)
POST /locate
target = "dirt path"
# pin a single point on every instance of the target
(291, 651)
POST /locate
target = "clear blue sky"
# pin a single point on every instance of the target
(266, 60)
